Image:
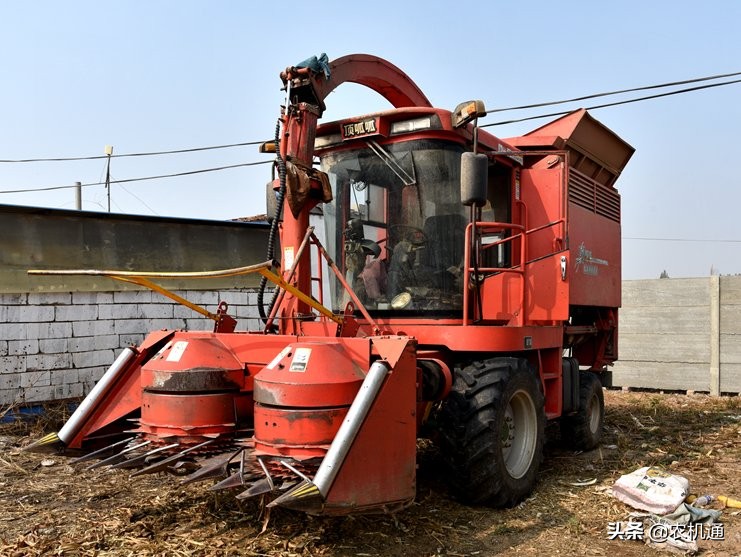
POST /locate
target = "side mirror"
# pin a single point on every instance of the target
(474, 178)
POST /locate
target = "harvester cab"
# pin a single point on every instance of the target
(432, 277)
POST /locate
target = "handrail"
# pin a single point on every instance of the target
(517, 270)
(558, 241)
(546, 225)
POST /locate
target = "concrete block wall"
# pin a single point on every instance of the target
(664, 334)
(729, 334)
(57, 345)
(681, 334)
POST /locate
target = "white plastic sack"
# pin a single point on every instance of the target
(652, 489)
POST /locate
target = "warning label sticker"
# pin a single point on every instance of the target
(300, 359)
(177, 351)
(288, 257)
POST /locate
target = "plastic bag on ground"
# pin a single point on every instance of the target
(651, 489)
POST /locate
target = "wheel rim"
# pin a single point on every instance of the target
(519, 434)
(593, 414)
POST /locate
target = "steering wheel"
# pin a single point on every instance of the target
(414, 234)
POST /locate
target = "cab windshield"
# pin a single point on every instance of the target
(396, 225)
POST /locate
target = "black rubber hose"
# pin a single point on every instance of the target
(273, 227)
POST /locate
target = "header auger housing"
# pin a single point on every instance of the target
(453, 273)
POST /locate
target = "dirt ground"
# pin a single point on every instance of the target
(50, 508)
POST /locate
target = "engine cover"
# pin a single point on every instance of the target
(302, 397)
(191, 391)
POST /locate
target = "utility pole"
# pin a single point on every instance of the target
(109, 152)
(78, 196)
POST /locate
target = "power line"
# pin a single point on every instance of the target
(129, 180)
(632, 90)
(516, 120)
(145, 154)
(702, 240)
(617, 103)
(521, 107)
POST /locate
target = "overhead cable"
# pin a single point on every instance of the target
(143, 178)
(620, 92)
(146, 154)
(616, 103)
(702, 240)
(492, 111)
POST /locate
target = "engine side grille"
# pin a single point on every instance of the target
(593, 196)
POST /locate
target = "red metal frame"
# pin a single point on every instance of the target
(376, 74)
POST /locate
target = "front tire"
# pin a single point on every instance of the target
(492, 431)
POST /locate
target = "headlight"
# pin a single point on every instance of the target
(406, 126)
(401, 301)
(327, 140)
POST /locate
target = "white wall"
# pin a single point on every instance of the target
(57, 345)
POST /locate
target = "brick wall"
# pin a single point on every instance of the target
(57, 345)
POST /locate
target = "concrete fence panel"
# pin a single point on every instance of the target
(681, 334)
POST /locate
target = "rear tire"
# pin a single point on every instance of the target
(492, 431)
(583, 431)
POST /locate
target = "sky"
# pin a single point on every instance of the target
(156, 76)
